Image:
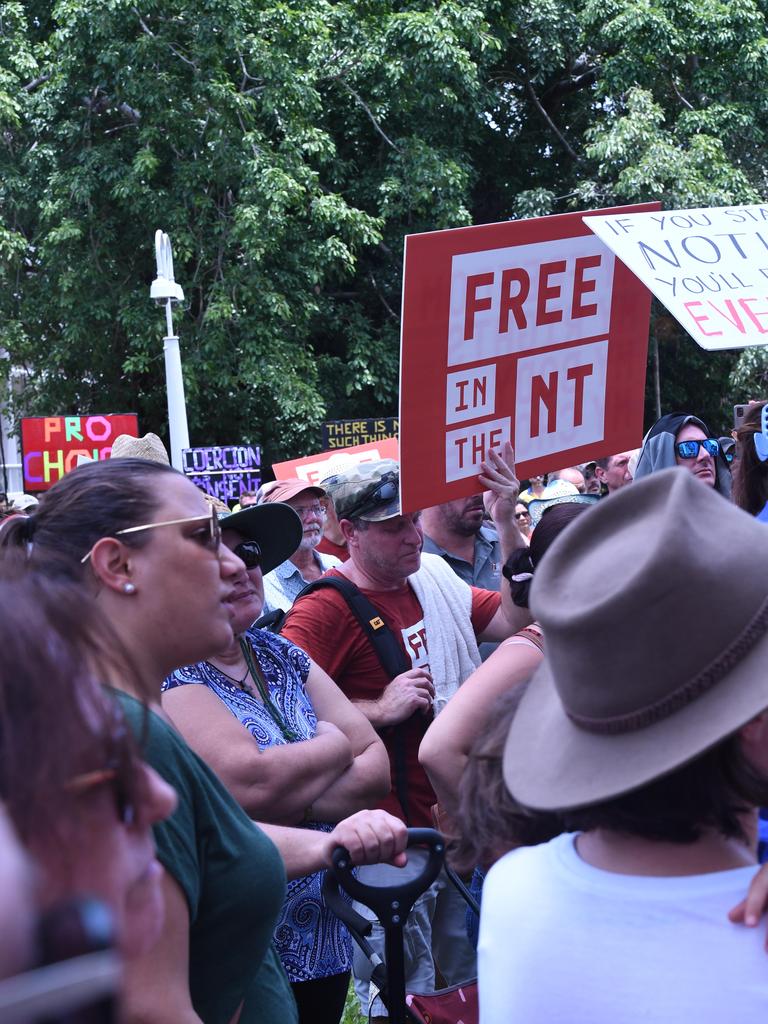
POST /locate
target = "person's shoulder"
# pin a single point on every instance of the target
(489, 533)
(435, 564)
(160, 744)
(189, 674)
(265, 640)
(323, 599)
(526, 862)
(430, 548)
(327, 561)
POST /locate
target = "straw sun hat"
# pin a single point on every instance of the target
(655, 612)
(148, 447)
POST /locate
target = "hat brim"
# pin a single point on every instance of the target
(275, 527)
(538, 506)
(551, 764)
(388, 511)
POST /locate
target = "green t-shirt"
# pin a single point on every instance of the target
(233, 879)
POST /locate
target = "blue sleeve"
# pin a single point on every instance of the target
(184, 676)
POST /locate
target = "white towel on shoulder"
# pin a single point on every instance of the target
(446, 601)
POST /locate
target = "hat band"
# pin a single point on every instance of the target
(686, 694)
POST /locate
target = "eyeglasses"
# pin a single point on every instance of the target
(690, 449)
(81, 784)
(522, 515)
(386, 490)
(211, 539)
(307, 511)
(249, 552)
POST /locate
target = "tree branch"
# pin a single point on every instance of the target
(567, 86)
(551, 124)
(383, 300)
(31, 86)
(683, 100)
(373, 120)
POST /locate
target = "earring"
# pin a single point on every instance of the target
(129, 588)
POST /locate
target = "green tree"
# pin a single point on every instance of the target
(288, 146)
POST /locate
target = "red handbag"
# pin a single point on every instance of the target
(456, 1005)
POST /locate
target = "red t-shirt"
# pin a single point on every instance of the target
(327, 547)
(323, 626)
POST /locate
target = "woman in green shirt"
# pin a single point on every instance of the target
(145, 541)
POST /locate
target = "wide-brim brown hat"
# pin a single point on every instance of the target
(655, 616)
(275, 527)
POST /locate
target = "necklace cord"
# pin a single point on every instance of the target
(288, 734)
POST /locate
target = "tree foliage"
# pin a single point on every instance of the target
(288, 146)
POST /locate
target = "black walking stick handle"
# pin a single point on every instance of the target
(393, 902)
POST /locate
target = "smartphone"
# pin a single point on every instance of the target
(740, 412)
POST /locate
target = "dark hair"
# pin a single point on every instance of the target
(56, 721)
(524, 560)
(490, 821)
(750, 475)
(93, 501)
(711, 792)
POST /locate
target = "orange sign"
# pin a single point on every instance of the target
(315, 468)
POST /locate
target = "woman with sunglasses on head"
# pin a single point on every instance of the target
(288, 745)
(679, 439)
(142, 539)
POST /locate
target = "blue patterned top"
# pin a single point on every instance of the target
(310, 940)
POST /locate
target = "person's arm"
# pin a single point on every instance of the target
(277, 784)
(367, 780)
(500, 499)
(446, 745)
(408, 693)
(156, 984)
(371, 837)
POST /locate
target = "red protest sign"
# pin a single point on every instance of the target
(315, 468)
(52, 445)
(529, 331)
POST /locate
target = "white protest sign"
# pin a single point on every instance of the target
(709, 267)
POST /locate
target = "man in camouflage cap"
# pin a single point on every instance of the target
(437, 619)
(367, 490)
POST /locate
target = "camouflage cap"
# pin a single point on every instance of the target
(367, 490)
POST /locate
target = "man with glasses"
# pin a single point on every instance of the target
(283, 584)
(436, 620)
(680, 439)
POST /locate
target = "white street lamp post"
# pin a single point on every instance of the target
(165, 290)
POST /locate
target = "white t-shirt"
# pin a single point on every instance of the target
(562, 942)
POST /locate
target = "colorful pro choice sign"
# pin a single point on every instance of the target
(52, 445)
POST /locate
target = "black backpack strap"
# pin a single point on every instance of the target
(383, 640)
(272, 621)
(389, 652)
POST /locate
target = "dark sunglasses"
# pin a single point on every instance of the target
(249, 552)
(386, 490)
(690, 449)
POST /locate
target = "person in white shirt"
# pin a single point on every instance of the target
(645, 730)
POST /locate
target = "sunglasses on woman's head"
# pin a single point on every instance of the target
(249, 552)
(690, 449)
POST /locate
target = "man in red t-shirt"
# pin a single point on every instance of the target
(386, 564)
